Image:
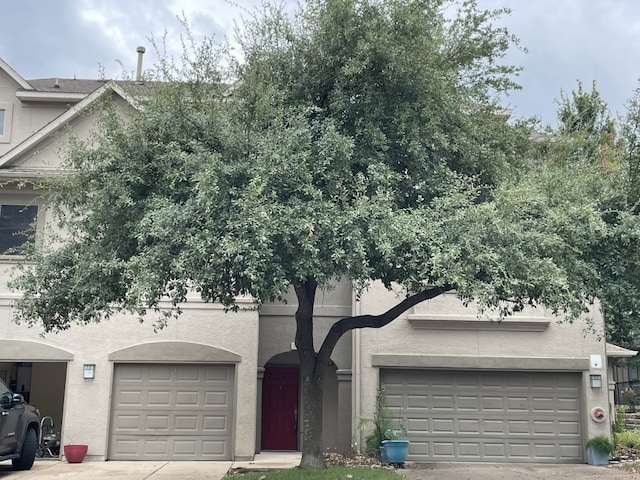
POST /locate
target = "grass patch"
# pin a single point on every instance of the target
(331, 473)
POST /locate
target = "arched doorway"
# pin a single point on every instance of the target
(280, 393)
(282, 407)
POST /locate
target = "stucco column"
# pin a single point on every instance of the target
(345, 423)
(259, 410)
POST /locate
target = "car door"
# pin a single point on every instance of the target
(10, 413)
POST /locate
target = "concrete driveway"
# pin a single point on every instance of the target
(512, 471)
(50, 470)
(114, 470)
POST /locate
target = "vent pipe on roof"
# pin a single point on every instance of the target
(140, 51)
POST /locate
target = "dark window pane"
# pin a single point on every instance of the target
(1, 122)
(17, 226)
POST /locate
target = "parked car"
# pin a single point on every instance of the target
(19, 425)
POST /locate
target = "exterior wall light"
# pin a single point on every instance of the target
(89, 370)
(595, 381)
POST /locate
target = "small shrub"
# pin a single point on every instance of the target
(383, 426)
(628, 438)
(618, 426)
(601, 444)
(629, 397)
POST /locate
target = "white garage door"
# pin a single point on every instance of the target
(488, 416)
(172, 412)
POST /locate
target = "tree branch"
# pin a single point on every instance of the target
(374, 321)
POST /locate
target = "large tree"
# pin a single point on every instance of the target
(588, 138)
(357, 139)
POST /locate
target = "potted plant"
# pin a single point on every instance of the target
(384, 441)
(394, 449)
(598, 450)
(75, 453)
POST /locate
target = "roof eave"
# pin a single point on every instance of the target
(14, 75)
(50, 97)
(614, 351)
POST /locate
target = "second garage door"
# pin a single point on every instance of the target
(172, 412)
(488, 416)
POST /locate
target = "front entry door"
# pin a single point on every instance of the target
(280, 408)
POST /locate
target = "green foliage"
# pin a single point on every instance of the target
(628, 438)
(618, 425)
(360, 140)
(588, 141)
(630, 397)
(384, 425)
(602, 444)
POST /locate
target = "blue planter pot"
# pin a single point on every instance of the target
(395, 450)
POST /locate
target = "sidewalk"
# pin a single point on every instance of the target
(148, 470)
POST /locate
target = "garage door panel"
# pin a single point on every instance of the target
(159, 398)
(569, 428)
(159, 373)
(493, 426)
(492, 403)
(468, 403)
(478, 416)
(216, 399)
(469, 449)
(442, 402)
(494, 451)
(172, 412)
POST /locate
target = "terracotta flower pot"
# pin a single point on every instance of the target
(75, 453)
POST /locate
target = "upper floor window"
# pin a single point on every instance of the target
(17, 227)
(6, 110)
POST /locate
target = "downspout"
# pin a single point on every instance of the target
(357, 366)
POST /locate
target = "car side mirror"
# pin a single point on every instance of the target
(17, 399)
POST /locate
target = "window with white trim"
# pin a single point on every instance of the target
(6, 110)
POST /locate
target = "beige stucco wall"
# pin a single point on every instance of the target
(87, 402)
(558, 346)
(25, 119)
(278, 326)
(277, 337)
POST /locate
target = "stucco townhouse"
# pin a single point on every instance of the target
(213, 385)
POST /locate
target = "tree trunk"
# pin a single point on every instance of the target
(313, 366)
(312, 392)
(312, 373)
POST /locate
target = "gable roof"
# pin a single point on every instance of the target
(41, 135)
(14, 75)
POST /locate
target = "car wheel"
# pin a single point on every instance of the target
(28, 454)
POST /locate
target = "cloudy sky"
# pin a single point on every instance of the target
(566, 40)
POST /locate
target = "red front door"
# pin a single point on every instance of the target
(280, 408)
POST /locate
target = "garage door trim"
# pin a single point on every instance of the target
(174, 352)
(28, 351)
(565, 364)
